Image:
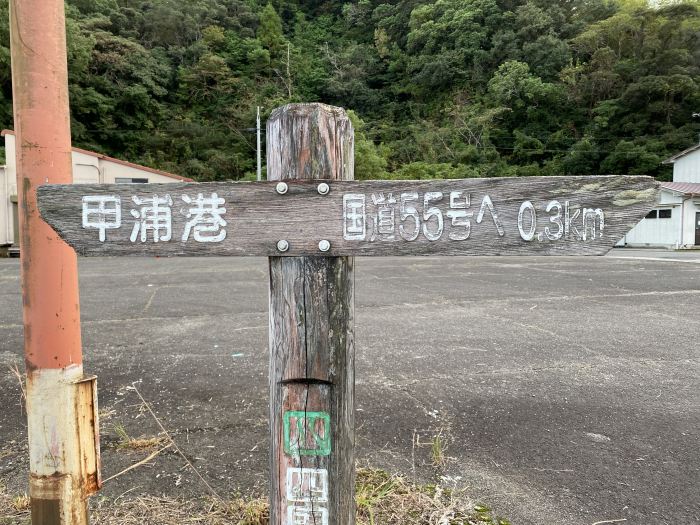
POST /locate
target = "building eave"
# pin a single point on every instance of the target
(683, 153)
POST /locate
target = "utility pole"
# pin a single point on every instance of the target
(289, 73)
(259, 148)
(61, 402)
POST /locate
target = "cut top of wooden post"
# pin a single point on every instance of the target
(320, 144)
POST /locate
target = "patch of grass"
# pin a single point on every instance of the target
(382, 499)
(484, 516)
(14, 510)
(147, 510)
(21, 503)
(437, 451)
(126, 442)
(249, 512)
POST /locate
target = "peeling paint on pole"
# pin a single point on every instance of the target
(64, 459)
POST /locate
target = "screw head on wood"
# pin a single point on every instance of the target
(323, 188)
(324, 245)
(282, 246)
(282, 188)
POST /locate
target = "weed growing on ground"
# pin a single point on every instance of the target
(142, 443)
(14, 510)
(21, 503)
(437, 451)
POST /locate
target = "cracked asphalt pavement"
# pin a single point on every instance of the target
(566, 390)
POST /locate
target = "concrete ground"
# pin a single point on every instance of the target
(566, 390)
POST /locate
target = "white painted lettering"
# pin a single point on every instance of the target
(307, 496)
(306, 515)
(556, 219)
(569, 226)
(460, 216)
(307, 485)
(409, 211)
(487, 204)
(102, 212)
(590, 218)
(384, 220)
(432, 211)
(354, 217)
(205, 218)
(154, 216)
(529, 234)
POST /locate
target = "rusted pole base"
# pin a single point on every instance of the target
(63, 444)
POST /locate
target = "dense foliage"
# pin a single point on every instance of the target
(443, 88)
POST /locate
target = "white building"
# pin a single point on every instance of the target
(88, 168)
(675, 221)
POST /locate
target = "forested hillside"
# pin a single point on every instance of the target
(446, 88)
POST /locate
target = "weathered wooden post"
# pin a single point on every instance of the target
(61, 411)
(312, 348)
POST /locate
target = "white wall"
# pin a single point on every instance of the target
(692, 206)
(112, 170)
(687, 168)
(10, 172)
(8, 190)
(5, 209)
(86, 168)
(656, 232)
(659, 232)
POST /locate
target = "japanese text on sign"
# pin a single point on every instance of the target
(153, 217)
(436, 215)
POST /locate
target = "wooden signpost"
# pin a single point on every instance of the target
(310, 219)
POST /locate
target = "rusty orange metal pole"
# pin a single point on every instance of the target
(61, 403)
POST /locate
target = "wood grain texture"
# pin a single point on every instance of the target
(258, 217)
(311, 324)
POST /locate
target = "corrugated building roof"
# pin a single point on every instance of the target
(686, 188)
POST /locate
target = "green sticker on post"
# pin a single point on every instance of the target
(307, 433)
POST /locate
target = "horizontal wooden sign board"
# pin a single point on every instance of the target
(497, 216)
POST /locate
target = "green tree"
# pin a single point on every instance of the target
(370, 162)
(270, 31)
(444, 87)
